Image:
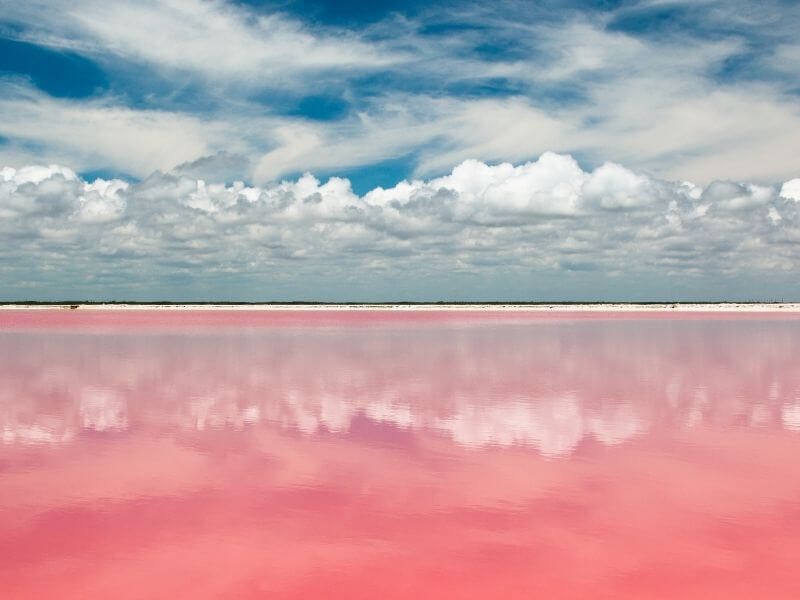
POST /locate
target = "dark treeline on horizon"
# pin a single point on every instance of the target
(371, 303)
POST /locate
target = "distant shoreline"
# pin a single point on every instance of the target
(415, 306)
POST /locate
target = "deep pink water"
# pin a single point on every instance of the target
(372, 455)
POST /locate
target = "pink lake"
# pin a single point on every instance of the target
(398, 454)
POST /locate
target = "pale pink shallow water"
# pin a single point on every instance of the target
(234, 454)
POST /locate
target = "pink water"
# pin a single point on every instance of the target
(237, 454)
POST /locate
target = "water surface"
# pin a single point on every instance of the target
(302, 454)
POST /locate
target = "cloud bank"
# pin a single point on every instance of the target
(543, 219)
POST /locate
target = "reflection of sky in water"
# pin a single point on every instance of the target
(394, 461)
(545, 385)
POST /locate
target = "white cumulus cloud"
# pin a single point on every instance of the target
(791, 189)
(545, 216)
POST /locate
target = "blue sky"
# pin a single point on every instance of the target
(172, 98)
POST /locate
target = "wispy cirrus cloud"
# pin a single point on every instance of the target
(493, 84)
(214, 39)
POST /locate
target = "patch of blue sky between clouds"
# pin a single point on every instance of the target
(383, 174)
(107, 174)
(655, 20)
(321, 108)
(61, 74)
(350, 13)
(332, 105)
(488, 87)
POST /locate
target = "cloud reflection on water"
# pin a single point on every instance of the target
(542, 385)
